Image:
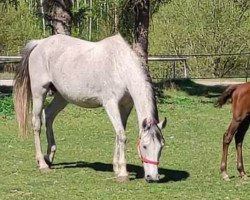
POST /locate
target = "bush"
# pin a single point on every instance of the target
(6, 106)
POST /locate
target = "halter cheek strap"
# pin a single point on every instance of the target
(153, 122)
(144, 159)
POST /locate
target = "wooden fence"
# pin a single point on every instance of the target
(173, 60)
(9, 59)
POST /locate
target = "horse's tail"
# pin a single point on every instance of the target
(227, 94)
(22, 90)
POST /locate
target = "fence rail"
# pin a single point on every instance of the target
(178, 67)
(159, 58)
(173, 59)
(9, 59)
(14, 59)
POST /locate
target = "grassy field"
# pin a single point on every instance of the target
(82, 168)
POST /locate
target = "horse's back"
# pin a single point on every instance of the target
(241, 90)
(241, 100)
(54, 46)
(85, 73)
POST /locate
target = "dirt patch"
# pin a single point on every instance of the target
(214, 82)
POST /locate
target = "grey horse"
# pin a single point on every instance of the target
(106, 73)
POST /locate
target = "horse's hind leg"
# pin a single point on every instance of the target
(38, 95)
(125, 110)
(239, 137)
(227, 138)
(51, 111)
(112, 109)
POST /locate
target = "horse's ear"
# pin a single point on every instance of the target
(162, 124)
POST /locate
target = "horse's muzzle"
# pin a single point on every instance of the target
(150, 179)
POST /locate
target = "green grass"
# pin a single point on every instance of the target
(83, 163)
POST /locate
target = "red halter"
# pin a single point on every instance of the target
(144, 159)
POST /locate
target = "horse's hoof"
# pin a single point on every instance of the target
(225, 177)
(244, 178)
(45, 170)
(122, 178)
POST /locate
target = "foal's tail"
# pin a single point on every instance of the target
(22, 91)
(227, 94)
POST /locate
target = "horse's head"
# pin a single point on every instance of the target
(149, 147)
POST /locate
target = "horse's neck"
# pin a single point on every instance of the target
(142, 94)
(132, 71)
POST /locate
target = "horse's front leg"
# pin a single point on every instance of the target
(115, 158)
(119, 160)
(51, 111)
(36, 121)
(122, 173)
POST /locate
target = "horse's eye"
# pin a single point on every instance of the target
(144, 147)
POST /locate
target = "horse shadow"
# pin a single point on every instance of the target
(190, 87)
(5, 90)
(134, 170)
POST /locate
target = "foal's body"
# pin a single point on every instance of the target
(89, 74)
(240, 97)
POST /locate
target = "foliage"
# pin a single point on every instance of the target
(18, 27)
(177, 27)
(95, 20)
(203, 27)
(6, 106)
(6, 3)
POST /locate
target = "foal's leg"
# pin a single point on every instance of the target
(227, 138)
(239, 137)
(38, 99)
(112, 109)
(51, 111)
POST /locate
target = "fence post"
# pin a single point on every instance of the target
(246, 68)
(186, 73)
(174, 70)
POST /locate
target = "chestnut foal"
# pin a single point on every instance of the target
(240, 99)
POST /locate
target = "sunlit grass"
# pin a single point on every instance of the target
(83, 164)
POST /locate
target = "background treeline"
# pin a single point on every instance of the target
(204, 27)
(177, 27)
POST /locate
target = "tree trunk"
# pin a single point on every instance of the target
(62, 17)
(141, 28)
(59, 14)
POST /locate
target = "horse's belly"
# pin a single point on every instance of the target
(86, 102)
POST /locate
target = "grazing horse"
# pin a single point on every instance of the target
(240, 98)
(106, 73)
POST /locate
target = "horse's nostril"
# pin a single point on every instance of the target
(148, 178)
